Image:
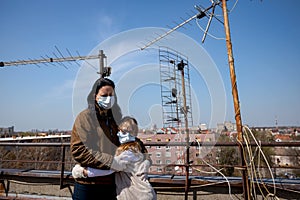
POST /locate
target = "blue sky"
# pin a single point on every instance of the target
(266, 49)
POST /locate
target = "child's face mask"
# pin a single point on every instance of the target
(125, 137)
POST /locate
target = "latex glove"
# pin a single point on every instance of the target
(77, 171)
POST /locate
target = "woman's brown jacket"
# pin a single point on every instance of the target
(94, 141)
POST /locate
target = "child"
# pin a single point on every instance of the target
(129, 185)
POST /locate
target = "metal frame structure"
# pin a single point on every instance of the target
(173, 96)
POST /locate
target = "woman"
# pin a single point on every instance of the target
(94, 141)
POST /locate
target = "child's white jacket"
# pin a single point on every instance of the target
(134, 186)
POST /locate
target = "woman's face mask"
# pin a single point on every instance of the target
(106, 102)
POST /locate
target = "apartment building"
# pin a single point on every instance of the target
(7, 131)
(166, 158)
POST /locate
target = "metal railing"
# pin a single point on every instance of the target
(64, 180)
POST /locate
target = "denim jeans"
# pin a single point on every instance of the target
(94, 191)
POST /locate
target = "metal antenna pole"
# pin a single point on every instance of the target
(101, 63)
(180, 67)
(103, 71)
(237, 110)
(187, 161)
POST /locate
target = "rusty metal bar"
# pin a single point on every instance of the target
(65, 181)
(54, 144)
(217, 144)
(236, 166)
(30, 161)
(235, 95)
(263, 144)
(232, 74)
(187, 160)
(63, 148)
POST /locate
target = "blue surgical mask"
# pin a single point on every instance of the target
(106, 102)
(125, 137)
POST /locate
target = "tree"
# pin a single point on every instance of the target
(228, 156)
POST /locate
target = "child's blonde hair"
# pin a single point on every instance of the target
(129, 124)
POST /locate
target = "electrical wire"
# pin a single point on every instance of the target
(253, 172)
(206, 172)
(199, 26)
(261, 153)
(27, 183)
(218, 171)
(233, 7)
(229, 10)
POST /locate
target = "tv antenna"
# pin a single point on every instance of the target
(202, 12)
(209, 12)
(61, 59)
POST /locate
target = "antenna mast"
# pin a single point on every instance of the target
(235, 95)
(238, 119)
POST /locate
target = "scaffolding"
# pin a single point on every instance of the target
(176, 99)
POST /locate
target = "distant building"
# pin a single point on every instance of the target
(297, 133)
(226, 126)
(7, 132)
(166, 157)
(282, 138)
(203, 127)
(169, 130)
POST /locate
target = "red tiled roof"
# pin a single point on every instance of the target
(283, 137)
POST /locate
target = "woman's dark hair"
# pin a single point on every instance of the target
(103, 82)
(91, 99)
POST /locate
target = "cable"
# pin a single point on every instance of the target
(233, 7)
(252, 171)
(217, 38)
(218, 171)
(261, 153)
(247, 129)
(27, 183)
(206, 172)
(230, 10)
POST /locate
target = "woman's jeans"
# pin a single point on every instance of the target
(94, 191)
